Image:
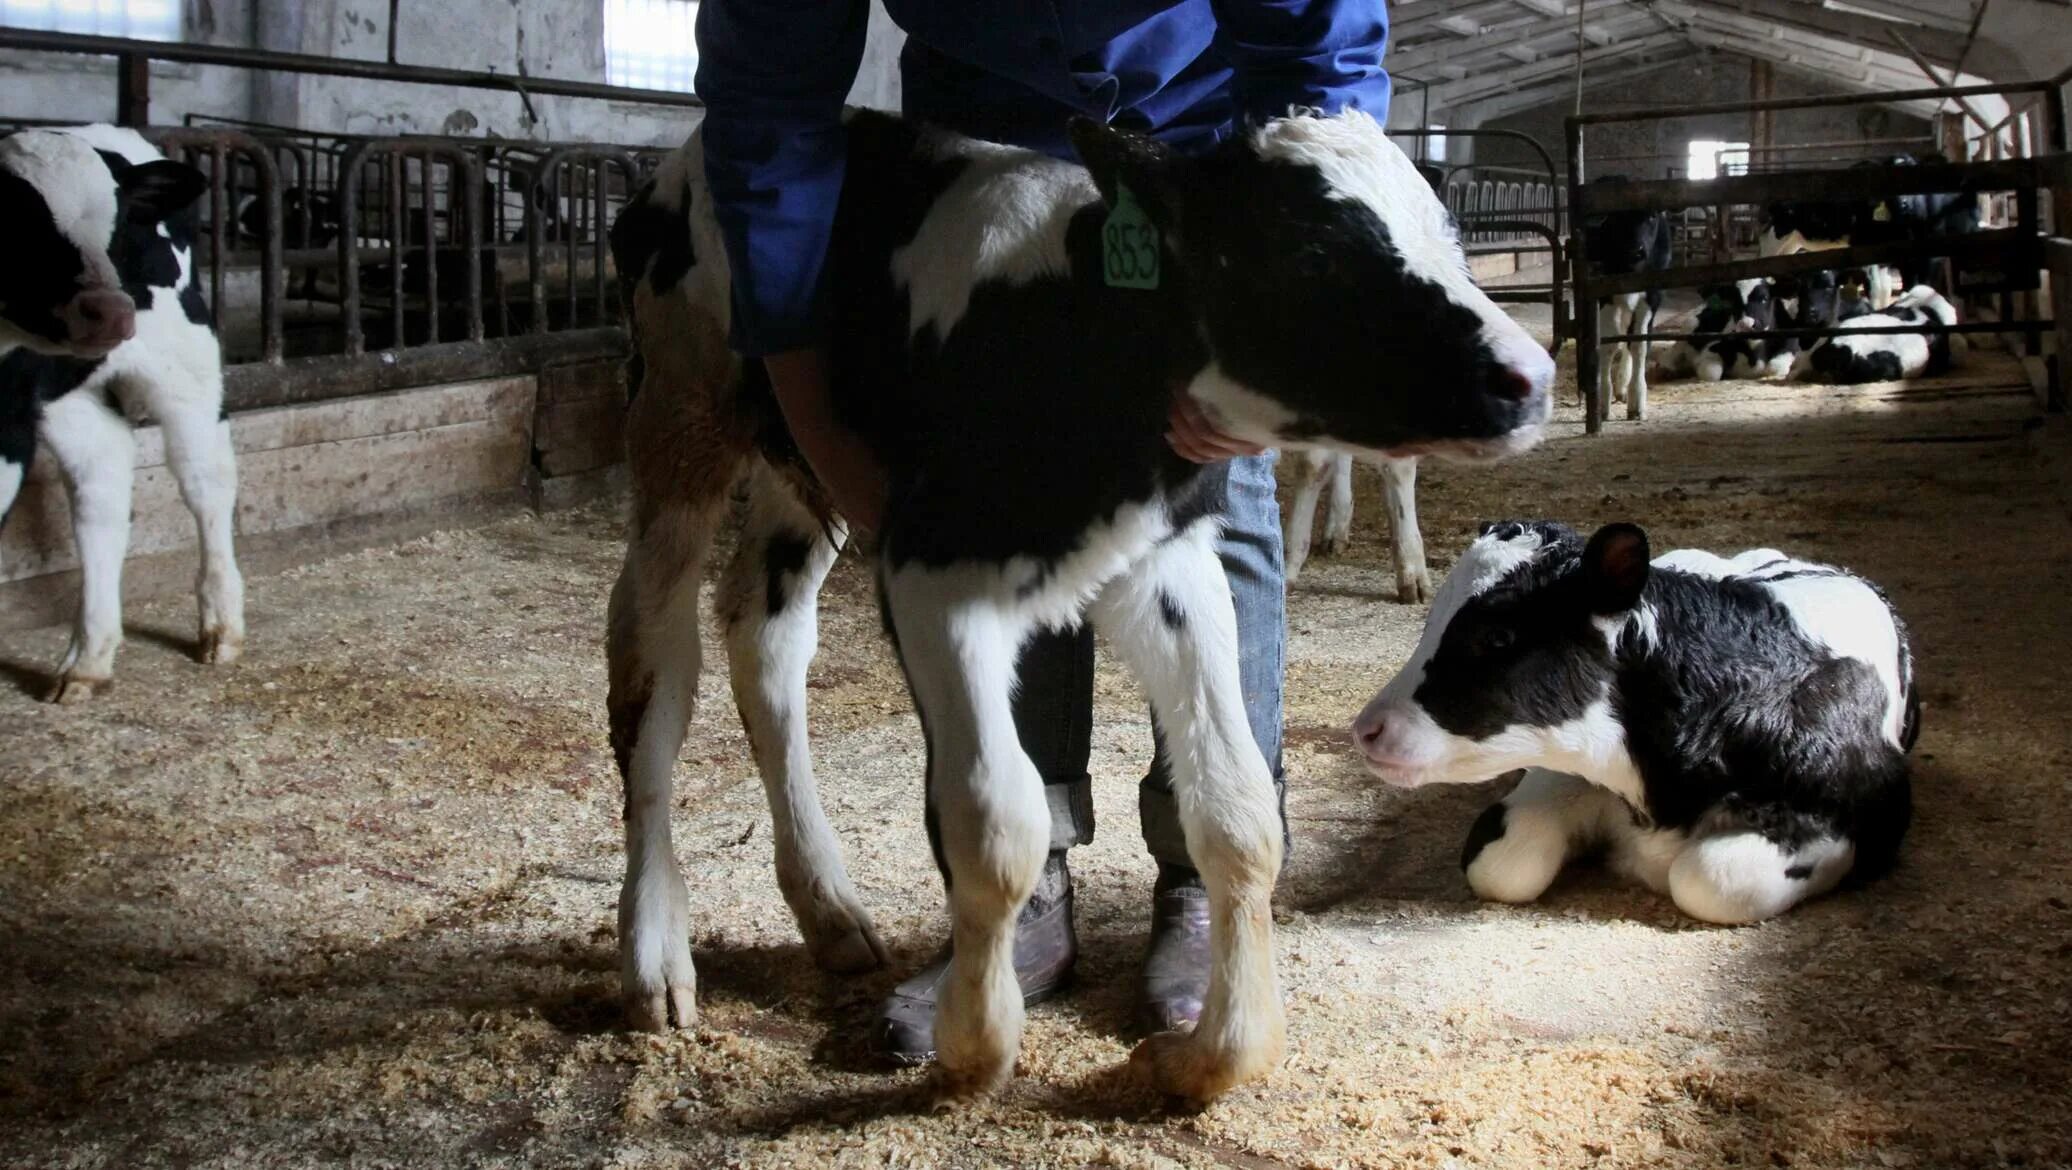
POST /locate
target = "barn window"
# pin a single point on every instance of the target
(649, 44)
(145, 20)
(1710, 157)
(1435, 144)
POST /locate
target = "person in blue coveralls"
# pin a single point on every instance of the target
(773, 75)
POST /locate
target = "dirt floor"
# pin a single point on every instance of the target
(352, 901)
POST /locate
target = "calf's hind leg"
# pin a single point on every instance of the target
(654, 658)
(1399, 487)
(1746, 865)
(1312, 471)
(1170, 618)
(768, 604)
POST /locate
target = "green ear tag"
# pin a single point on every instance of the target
(1130, 251)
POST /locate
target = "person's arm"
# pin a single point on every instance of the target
(773, 75)
(1321, 53)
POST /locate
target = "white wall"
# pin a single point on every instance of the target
(536, 38)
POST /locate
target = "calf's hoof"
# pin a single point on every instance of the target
(838, 931)
(1182, 1064)
(220, 647)
(673, 1005)
(951, 1085)
(1414, 588)
(657, 980)
(76, 688)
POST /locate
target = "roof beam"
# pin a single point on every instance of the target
(1544, 90)
(1936, 78)
(1927, 16)
(1476, 88)
(1944, 48)
(1495, 38)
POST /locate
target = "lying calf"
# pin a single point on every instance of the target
(1885, 357)
(1715, 351)
(1730, 732)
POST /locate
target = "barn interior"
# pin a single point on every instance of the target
(352, 900)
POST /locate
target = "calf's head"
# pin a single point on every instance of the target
(1328, 283)
(1515, 664)
(63, 205)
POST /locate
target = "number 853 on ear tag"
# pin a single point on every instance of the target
(1130, 249)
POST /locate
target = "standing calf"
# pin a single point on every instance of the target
(1733, 733)
(1318, 471)
(1010, 356)
(1618, 243)
(101, 322)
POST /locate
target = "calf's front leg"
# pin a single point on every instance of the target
(1170, 619)
(987, 816)
(97, 453)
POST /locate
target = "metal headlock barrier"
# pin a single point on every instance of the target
(405, 260)
(1499, 216)
(2015, 254)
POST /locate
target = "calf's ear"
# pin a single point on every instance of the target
(1118, 158)
(158, 189)
(1615, 568)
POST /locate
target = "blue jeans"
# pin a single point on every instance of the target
(1053, 710)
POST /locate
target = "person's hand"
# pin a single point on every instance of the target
(1194, 438)
(839, 457)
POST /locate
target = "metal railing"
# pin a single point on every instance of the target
(2014, 253)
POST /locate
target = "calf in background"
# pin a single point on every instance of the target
(1318, 472)
(1886, 357)
(101, 323)
(1619, 243)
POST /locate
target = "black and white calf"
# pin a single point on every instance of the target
(1318, 472)
(101, 323)
(1306, 287)
(1621, 242)
(1810, 226)
(1733, 733)
(1715, 351)
(1886, 357)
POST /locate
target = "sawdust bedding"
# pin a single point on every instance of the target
(351, 901)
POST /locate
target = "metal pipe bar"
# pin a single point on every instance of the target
(271, 278)
(2000, 248)
(1512, 135)
(398, 172)
(429, 200)
(1843, 330)
(1882, 97)
(1845, 183)
(236, 57)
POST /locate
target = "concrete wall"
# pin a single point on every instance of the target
(536, 38)
(1619, 148)
(56, 87)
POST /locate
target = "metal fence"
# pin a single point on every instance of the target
(2008, 259)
